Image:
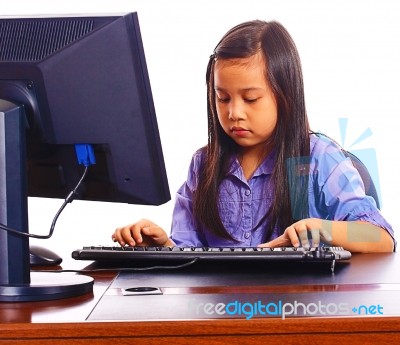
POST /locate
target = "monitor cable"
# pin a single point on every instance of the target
(68, 199)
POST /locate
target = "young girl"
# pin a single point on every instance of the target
(264, 179)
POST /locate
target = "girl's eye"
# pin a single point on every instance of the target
(223, 99)
(251, 100)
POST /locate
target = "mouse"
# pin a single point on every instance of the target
(40, 256)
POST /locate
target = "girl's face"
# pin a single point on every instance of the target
(246, 106)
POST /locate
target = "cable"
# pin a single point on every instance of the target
(70, 197)
(127, 269)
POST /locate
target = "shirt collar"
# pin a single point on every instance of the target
(265, 168)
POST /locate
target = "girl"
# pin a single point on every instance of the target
(264, 179)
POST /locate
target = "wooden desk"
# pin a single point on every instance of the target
(187, 310)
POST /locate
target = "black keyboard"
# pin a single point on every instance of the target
(164, 254)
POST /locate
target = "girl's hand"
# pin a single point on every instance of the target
(298, 234)
(142, 233)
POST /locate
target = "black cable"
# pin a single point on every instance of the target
(67, 200)
(122, 269)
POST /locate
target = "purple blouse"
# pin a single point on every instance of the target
(335, 192)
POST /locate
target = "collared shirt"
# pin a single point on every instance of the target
(335, 192)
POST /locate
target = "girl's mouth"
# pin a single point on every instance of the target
(239, 131)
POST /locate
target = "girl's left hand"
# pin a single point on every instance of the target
(297, 234)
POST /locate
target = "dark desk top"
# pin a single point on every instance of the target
(367, 285)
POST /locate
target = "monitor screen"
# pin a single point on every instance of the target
(74, 80)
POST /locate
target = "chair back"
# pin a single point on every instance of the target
(370, 188)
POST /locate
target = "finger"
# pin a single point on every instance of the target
(280, 241)
(269, 244)
(148, 231)
(133, 234)
(152, 231)
(326, 235)
(315, 237)
(293, 235)
(137, 235)
(300, 233)
(130, 235)
(144, 227)
(157, 235)
(117, 237)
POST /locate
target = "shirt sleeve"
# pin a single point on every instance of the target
(338, 192)
(185, 231)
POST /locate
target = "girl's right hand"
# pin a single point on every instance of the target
(142, 233)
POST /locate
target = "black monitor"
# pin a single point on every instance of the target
(66, 81)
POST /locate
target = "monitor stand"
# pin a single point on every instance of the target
(47, 286)
(17, 283)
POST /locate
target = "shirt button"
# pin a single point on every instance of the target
(247, 235)
(247, 192)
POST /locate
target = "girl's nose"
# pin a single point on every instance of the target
(235, 111)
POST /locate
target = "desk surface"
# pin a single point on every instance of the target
(221, 304)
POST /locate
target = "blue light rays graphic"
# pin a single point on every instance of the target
(367, 155)
(343, 131)
(366, 134)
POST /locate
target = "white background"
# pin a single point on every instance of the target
(350, 52)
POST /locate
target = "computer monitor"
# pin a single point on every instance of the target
(64, 81)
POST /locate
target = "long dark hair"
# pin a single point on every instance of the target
(291, 135)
